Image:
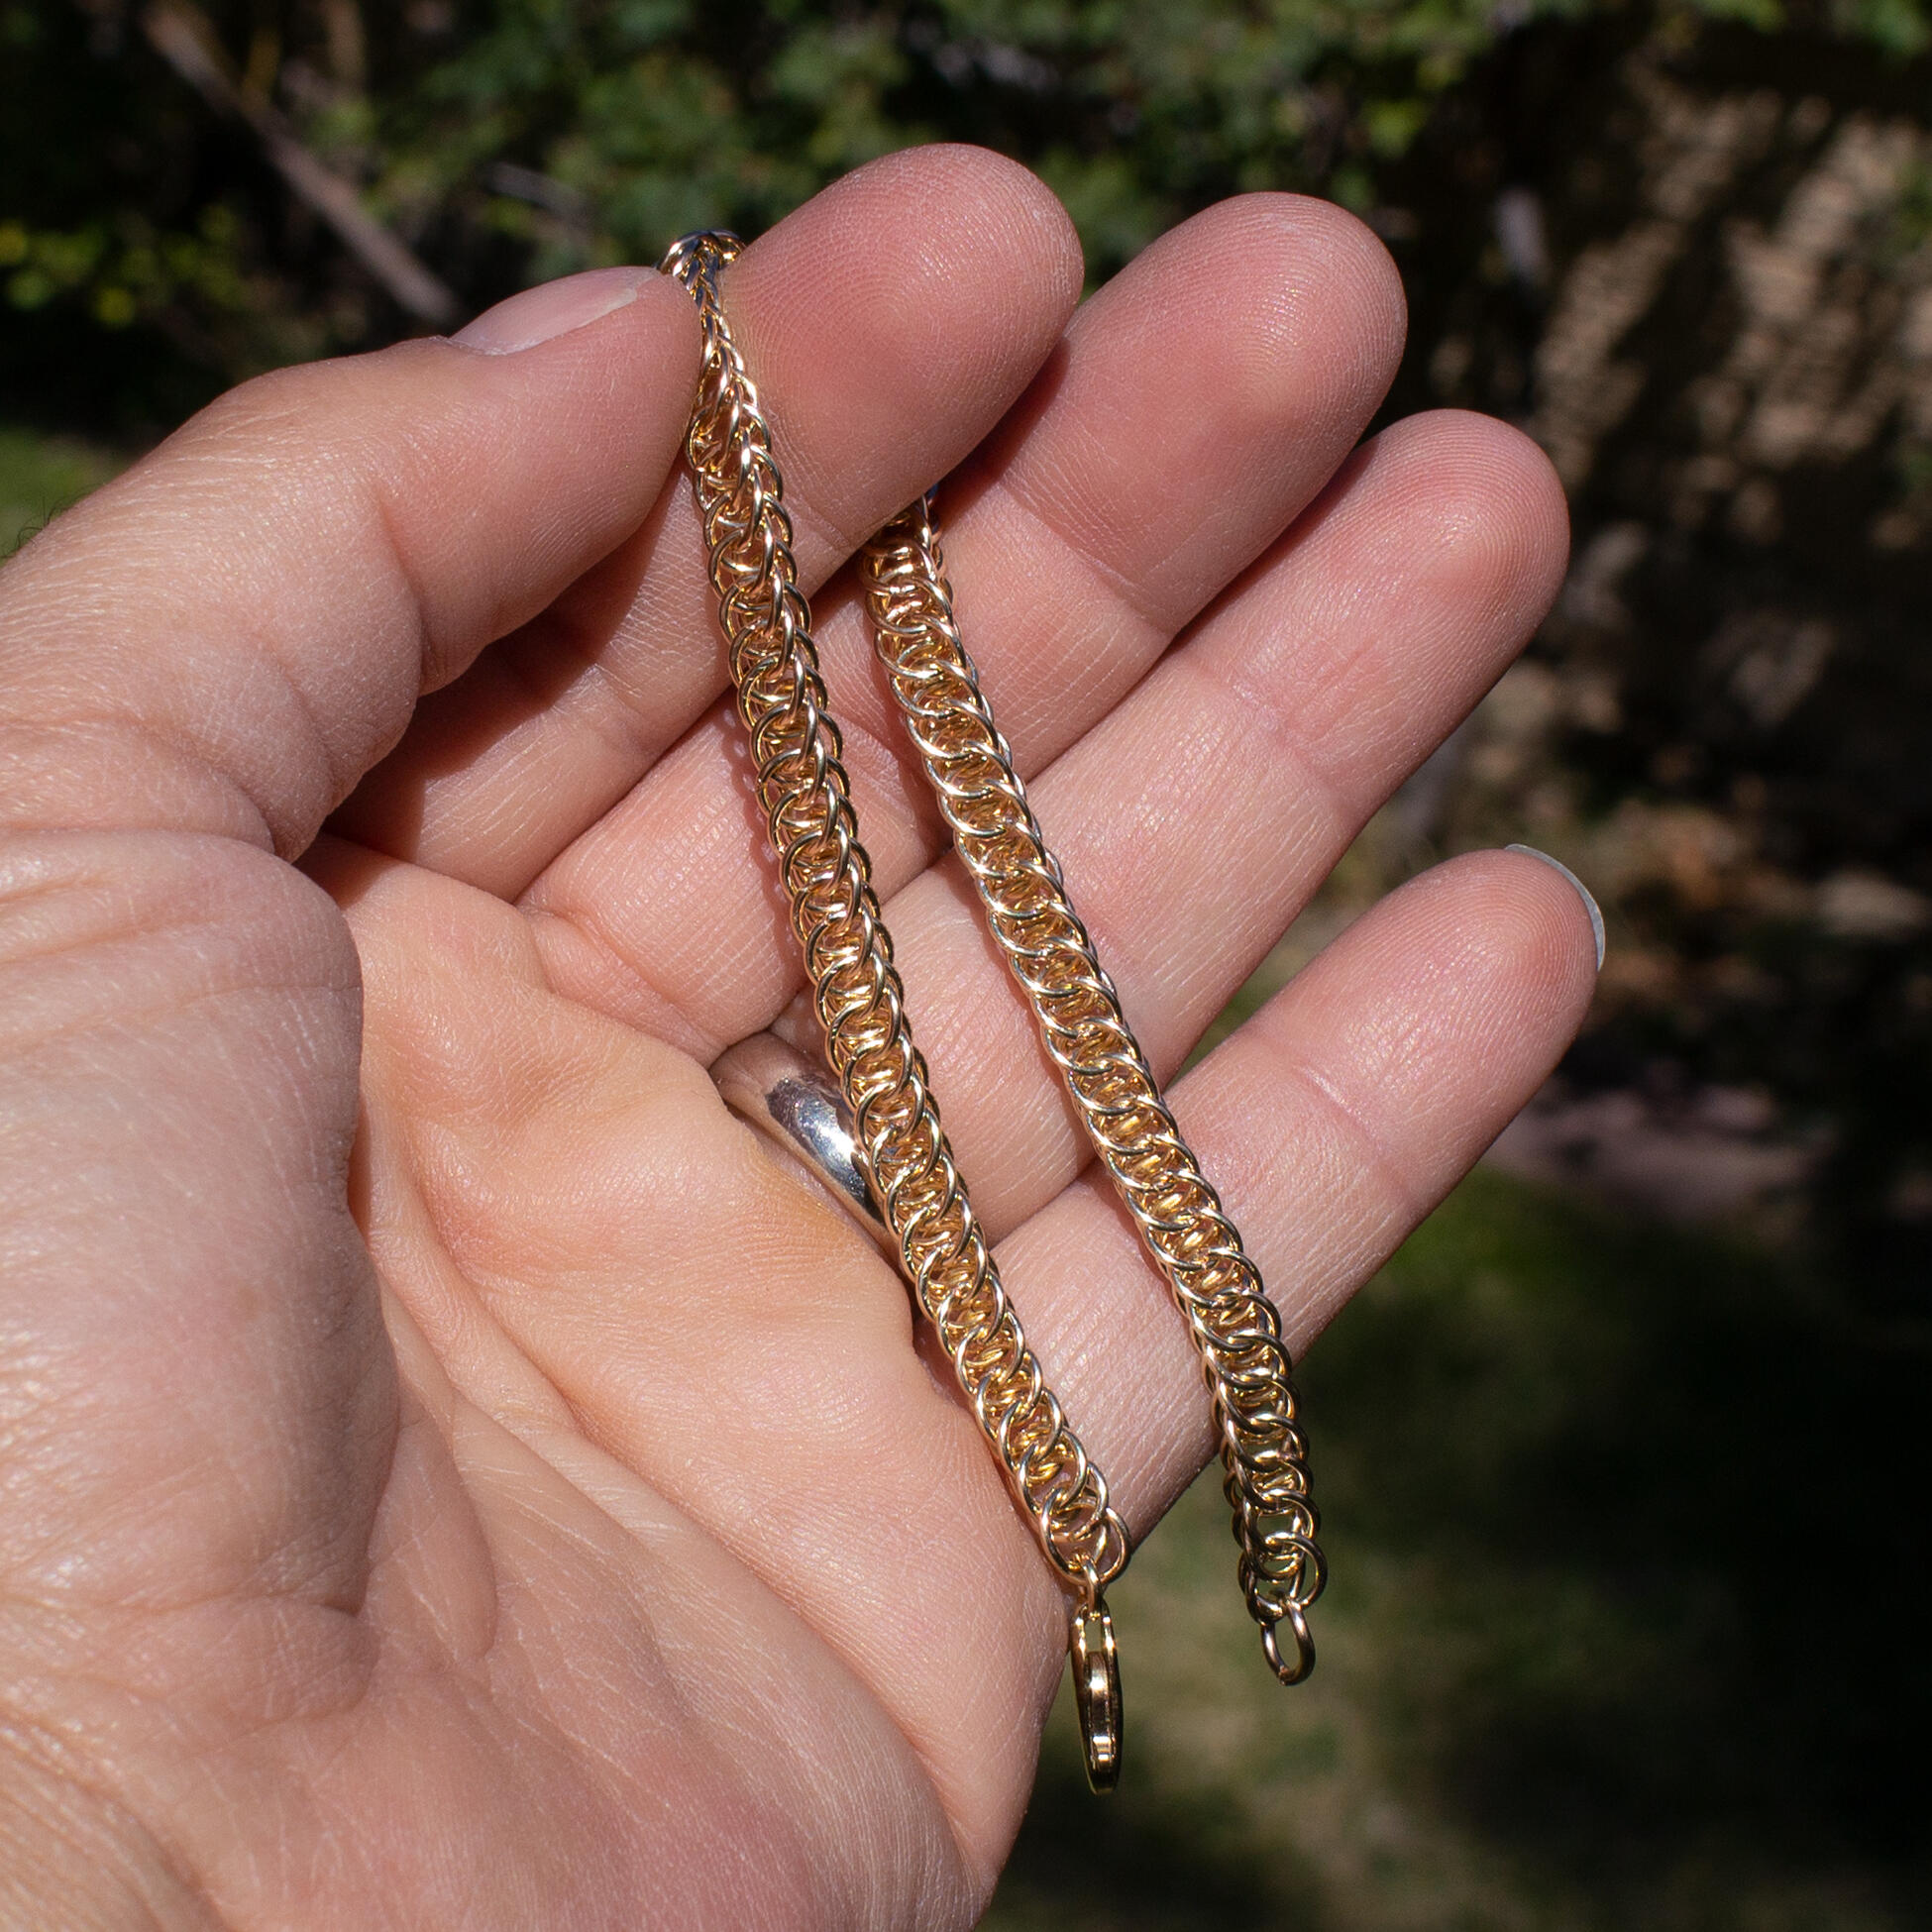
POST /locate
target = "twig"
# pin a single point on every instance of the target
(183, 35)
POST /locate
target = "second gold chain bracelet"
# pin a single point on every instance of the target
(921, 1195)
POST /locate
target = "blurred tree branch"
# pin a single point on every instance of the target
(183, 35)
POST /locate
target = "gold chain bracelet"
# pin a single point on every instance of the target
(803, 790)
(1215, 1284)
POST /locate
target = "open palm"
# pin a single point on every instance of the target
(453, 1473)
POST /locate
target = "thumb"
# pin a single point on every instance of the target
(227, 638)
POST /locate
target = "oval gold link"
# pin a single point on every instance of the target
(1097, 1692)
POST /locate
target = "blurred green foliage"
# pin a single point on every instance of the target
(40, 477)
(512, 140)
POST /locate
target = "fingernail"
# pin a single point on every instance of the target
(552, 310)
(1583, 891)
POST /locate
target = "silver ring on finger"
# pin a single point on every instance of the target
(796, 1105)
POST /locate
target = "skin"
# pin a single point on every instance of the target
(453, 1474)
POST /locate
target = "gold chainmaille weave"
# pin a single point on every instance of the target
(802, 789)
(1214, 1282)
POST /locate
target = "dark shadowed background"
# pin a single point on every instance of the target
(1625, 1456)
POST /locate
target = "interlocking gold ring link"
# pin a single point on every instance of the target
(803, 790)
(1215, 1284)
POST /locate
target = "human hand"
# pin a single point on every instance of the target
(453, 1473)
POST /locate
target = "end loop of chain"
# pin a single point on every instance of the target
(1095, 1664)
(703, 251)
(1290, 1668)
